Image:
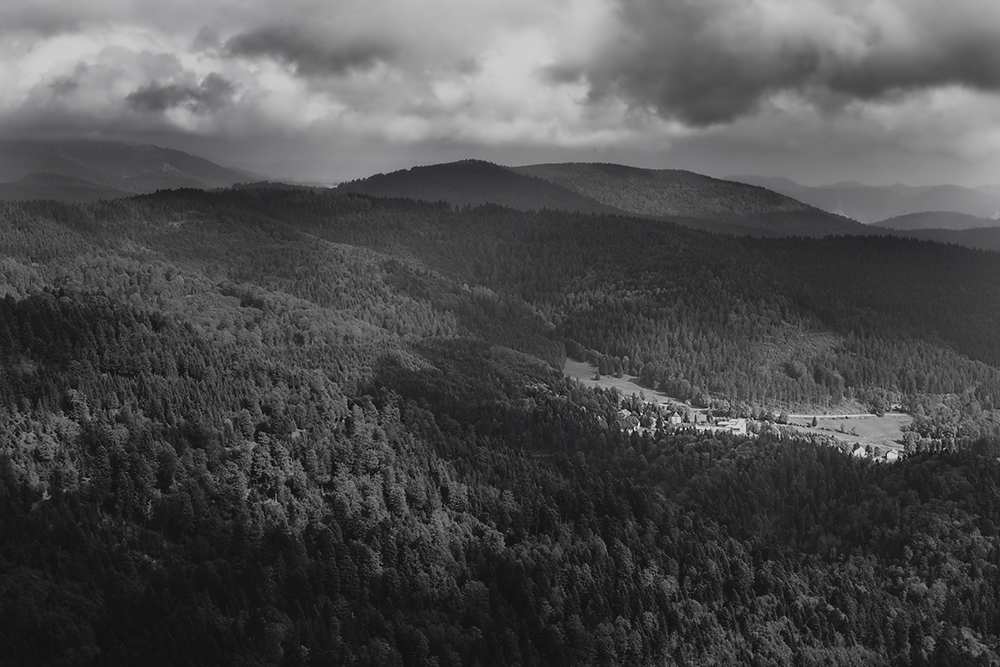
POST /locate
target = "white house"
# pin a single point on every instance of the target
(734, 426)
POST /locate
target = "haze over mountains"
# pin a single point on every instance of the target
(870, 204)
(937, 220)
(60, 187)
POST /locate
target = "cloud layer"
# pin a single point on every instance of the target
(713, 61)
(767, 77)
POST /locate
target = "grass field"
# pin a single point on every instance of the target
(863, 429)
(627, 385)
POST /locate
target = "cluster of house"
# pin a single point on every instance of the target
(628, 421)
(876, 453)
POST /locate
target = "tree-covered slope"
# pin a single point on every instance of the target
(123, 166)
(682, 194)
(983, 238)
(283, 427)
(473, 183)
(58, 187)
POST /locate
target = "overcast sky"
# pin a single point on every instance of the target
(817, 90)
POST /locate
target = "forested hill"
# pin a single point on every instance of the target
(673, 193)
(679, 196)
(472, 183)
(936, 220)
(981, 238)
(271, 426)
(74, 170)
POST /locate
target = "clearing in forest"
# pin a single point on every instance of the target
(856, 428)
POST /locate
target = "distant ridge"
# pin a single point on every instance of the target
(116, 168)
(779, 184)
(472, 183)
(57, 187)
(954, 198)
(684, 195)
(937, 220)
(870, 204)
(980, 238)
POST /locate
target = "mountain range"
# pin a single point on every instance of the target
(83, 170)
(870, 204)
(679, 196)
(473, 183)
(43, 185)
(937, 220)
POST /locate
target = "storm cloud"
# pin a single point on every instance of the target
(310, 55)
(803, 86)
(214, 93)
(713, 61)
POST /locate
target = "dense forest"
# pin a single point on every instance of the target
(268, 426)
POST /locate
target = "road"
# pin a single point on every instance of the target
(858, 415)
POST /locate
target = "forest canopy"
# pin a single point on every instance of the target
(270, 426)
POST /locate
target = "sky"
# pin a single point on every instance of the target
(879, 91)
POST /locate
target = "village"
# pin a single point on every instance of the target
(863, 435)
(630, 421)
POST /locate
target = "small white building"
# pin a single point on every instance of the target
(734, 426)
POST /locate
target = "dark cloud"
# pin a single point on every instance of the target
(310, 55)
(714, 61)
(214, 93)
(972, 61)
(62, 86)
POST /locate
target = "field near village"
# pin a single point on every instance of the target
(856, 428)
(863, 429)
(627, 385)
